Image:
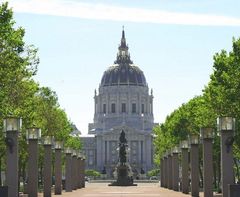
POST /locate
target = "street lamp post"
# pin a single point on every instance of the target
(226, 127)
(194, 161)
(47, 170)
(175, 168)
(79, 155)
(162, 172)
(170, 181)
(207, 137)
(33, 136)
(74, 159)
(68, 172)
(185, 180)
(58, 145)
(83, 170)
(165, 171)
(12, 126)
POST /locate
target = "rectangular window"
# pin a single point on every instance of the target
(142, 108)
(106, 152)
(123, 107)
(113, 108)
(104, 108)
(134, 108)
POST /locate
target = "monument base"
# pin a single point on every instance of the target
(123, 178)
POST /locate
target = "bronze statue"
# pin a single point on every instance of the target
(122, 148)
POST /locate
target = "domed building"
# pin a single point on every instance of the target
(123, 102)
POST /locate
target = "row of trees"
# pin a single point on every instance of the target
(221, 97)
(21, 96)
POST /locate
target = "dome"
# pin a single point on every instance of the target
(123, 72)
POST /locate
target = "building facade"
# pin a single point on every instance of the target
(123, 102)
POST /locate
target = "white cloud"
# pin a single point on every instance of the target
(118, 13)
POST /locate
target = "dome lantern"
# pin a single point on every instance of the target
(123, 72)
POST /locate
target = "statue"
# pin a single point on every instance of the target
(122, 148)
(123, 169)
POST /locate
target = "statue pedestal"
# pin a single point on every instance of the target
(123, 178)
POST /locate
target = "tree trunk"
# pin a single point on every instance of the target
(215, 174)
(219, 173)
(201, 176)
(41, 174)
(237, 172)
(0, 171)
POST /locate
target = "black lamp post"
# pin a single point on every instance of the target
(68, 172)
(58, 145)
(185, 180)
(47, 170)
(226, 127)
(207, 138)
(12, 127)
(194, 161)
(175, 168)
(33, 137)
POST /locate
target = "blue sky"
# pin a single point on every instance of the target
(172, 41)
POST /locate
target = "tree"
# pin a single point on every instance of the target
(223, 90)
(18, 64)
(92, 173)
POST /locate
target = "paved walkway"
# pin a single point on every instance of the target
(142, 190)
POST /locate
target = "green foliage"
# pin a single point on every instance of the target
(187, 119)
(74, 142)
(223, 90)
(220, 98)
(92, 173)
(153, 172)
(21, 96)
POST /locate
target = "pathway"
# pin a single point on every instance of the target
(142, 190)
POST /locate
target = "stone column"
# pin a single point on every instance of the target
(226, 126)
(170, 181)
(108, 161)
(168, 171)
(32, 185)
(194, 161)
(107, 104)
(83, 171)
(47, 171)
(12, 164)
(162, 173)
(185, 179)
(73, 170)
(207, 136)
(68, 172)
(165, 171)
(58, 171)
(175, 171)
(77, 172)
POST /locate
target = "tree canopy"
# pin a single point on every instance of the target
(21, 95)
(221, 97)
